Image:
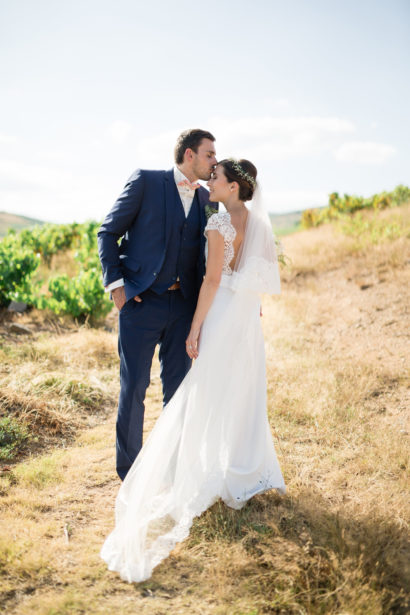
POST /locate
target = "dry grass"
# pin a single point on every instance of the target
(55, 383)
(337, 543)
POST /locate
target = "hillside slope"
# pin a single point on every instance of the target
(336, 345)
(283, 224)
(15, 222)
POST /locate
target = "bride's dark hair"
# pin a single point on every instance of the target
(246, 186)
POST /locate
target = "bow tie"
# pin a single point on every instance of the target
(187, 185)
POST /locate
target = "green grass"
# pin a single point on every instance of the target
(40, 472)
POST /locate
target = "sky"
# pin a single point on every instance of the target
(316, 93)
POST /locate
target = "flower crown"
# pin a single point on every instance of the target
(240, 171)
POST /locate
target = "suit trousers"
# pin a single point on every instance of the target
(163, 319)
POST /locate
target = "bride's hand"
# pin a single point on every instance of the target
(192, 343)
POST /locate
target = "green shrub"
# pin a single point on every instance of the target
(12, 436)
(310, 218)
(17, 264)
(80, 296)
(49, 239)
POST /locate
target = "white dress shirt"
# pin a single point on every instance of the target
(186, 195)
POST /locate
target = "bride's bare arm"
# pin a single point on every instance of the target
(208, 290)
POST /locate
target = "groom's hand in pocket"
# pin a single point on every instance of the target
(119, 298)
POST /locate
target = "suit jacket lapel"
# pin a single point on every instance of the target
(203, 200)
(169, 203)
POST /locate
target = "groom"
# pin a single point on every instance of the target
(154, 276)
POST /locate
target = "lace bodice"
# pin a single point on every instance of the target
(222, 223)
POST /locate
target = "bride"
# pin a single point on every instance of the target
(212, 439)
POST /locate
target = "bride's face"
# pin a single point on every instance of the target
(219, 187)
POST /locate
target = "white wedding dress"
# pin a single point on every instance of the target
(211, 441)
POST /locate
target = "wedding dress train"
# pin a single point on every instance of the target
(211, 441)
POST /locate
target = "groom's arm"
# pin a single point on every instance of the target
(116, 224)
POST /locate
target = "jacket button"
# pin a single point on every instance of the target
(155, 273)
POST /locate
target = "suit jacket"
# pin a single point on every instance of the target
(143, 216)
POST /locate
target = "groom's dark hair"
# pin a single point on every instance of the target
(191, 139)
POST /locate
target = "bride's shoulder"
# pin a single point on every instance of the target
(219, 215)
(217, 220)
(221, 222)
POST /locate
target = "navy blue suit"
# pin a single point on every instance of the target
(158, 246)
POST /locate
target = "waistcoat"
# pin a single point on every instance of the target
(181, 257)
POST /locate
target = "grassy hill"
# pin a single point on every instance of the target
(283, 224)
(16, 222)
(338, 542)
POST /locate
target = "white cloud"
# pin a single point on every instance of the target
(158, 151)
(364, 152)
(31, 175)
(277, 138)
(119, 131)
(282, 103)
(263, 139)
(279, 104)
(7, 139)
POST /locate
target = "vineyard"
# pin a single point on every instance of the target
(28, 270)
(55, 267)
(340, 208)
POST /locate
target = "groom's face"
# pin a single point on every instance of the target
(204, 159)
